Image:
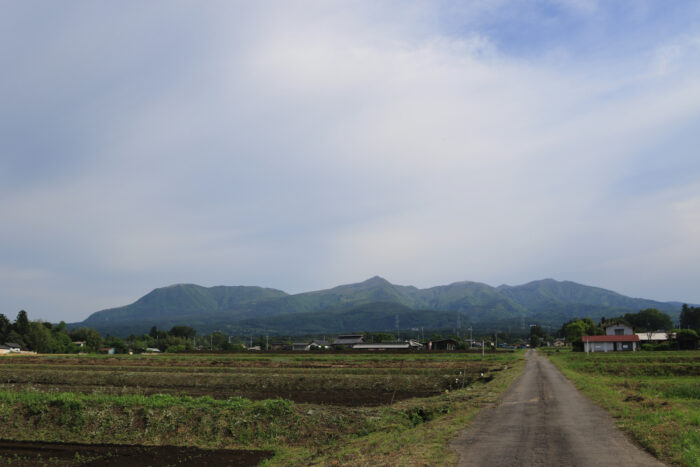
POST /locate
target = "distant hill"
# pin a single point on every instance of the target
(371, 305)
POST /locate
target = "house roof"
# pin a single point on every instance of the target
(13, 345)
(348, 340)
(379, 346)
(627, 338)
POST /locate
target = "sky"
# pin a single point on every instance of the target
(301, 145)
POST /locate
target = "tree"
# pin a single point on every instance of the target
(577, 328)
(649, 320)
(38, 337)
(61, 343)
(92, 339)
(536, 336)
(690, 318)
(183, 331)
(687, 339)
(21, 323)
(5, 327)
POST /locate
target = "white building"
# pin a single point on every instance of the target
(618, 337)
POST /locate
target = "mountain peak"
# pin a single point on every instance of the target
(376, 280)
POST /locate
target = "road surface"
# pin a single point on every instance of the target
(542, 420)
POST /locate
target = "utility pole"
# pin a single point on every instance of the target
(470, 337)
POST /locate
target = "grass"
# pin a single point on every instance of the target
(654, 397)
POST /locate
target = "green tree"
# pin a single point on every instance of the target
(21, 324)
(687, 339)
(117, 344)
(5, 328)
(93, 340)
(14, 338)
(38, 337)
(61, 343)
(690, 318)
(649, 320)
(577, 328)
(183, 331)
(537, 335)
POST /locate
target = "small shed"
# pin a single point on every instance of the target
(301, 346)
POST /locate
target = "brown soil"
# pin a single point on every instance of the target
(30, 454)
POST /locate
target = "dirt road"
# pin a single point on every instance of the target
(542, 420)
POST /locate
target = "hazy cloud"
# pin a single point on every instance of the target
(299, 145)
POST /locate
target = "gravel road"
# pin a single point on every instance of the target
(542, 420)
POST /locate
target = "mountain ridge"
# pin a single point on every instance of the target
(243, 308)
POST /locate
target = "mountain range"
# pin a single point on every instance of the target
(372, 305)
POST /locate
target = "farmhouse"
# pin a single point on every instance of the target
(618, 337)
(413, 345)
(313, 345)
(348, 340)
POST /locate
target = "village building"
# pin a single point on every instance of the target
(618, 337)
(10, 347)
(442, 344)
(654, 337)
(348, 341)
(409, 345)
(315, 344)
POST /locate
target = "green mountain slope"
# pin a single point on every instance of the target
(367, 305)
(182, 300)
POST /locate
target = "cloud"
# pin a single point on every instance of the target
(301, 147)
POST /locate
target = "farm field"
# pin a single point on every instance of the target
(307, 409)
(655, 396)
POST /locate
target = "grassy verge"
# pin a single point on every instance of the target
(659, 409)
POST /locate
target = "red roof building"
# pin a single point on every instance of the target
(610, 343)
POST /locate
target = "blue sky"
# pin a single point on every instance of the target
(300, 145)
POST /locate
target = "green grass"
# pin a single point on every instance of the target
(654, 396)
